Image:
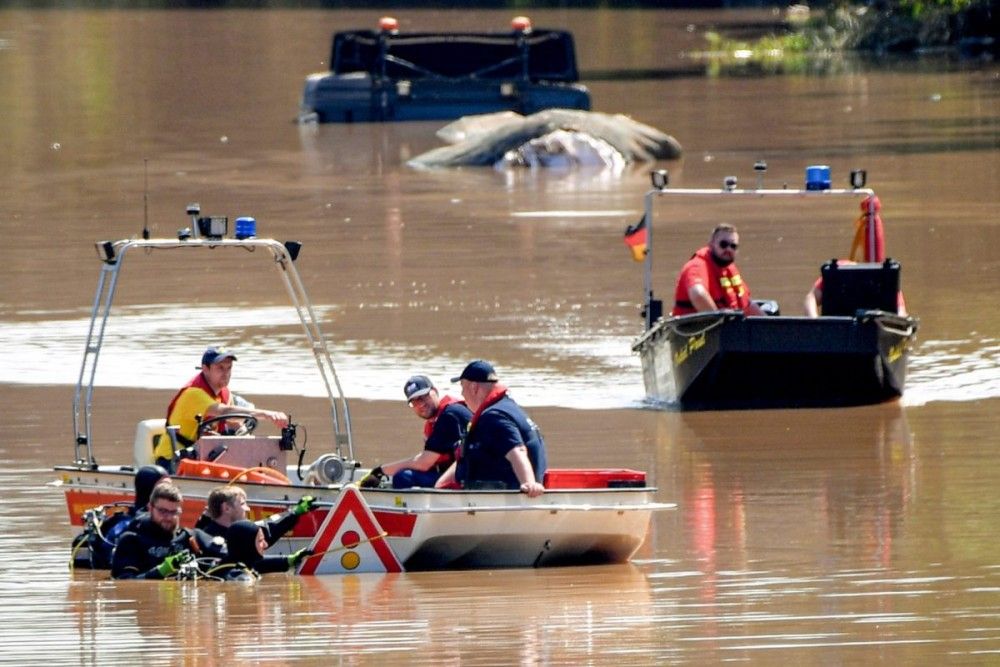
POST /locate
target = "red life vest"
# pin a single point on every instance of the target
(442, 403)
(199, 382)
(725, 285)
(498, 392)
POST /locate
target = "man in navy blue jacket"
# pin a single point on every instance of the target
(503, 448)
(445, 420)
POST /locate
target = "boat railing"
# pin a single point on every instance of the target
(538, 507)
(113, 255)
(697, 324)
(894, 323)
(694, 324)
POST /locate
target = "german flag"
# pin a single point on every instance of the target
(635, 239)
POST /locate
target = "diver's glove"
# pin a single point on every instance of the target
(172, 563)
(305, 504)
(373, 479)
(299, 556)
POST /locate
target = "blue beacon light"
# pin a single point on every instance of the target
(246, 227)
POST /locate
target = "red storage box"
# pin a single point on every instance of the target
(593, 478)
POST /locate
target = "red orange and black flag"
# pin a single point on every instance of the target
(635, 239)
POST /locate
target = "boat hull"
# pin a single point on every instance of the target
(724, 360)
(428, 529)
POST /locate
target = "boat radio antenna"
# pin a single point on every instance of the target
(145, 198)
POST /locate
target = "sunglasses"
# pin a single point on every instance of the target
(725, 245)
(167, 512)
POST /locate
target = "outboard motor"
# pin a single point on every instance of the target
(330, 469)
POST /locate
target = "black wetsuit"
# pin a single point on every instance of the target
(275, 526)
(143, 547)
(242, 553)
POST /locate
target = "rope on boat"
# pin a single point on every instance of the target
(380, 536)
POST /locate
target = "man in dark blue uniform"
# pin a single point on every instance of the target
(445, 420)
(503, 448)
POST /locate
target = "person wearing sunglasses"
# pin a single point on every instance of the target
(155, 546)
(710, 280)
(445, 420)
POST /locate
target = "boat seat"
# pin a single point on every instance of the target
(147, 435)
(848, 288)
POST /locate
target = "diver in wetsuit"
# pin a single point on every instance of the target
(228, 504)
(155, 546)
(245, 557)
(102, 532)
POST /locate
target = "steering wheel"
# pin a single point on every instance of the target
(246, 428)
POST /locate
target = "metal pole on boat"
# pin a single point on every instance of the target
(647, 278)
(300, 300)
(112, 255)
(653, 310)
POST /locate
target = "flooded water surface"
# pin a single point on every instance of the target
(801, 536)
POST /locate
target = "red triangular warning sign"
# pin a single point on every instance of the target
(350, 540)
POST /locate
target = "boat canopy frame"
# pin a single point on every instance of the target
(653, 308)
(113, 254)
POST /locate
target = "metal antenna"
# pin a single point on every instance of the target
(145, 198)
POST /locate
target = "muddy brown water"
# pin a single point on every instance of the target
(804, 536)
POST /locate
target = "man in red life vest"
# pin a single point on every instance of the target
(206, 396)
(503, 448)
(710, 280)
(445, 421)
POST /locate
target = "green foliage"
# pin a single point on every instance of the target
(921, 8)
(899, 25)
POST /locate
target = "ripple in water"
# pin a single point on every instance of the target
(604, 372)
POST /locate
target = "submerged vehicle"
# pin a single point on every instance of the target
(557, 138)
(854, 354)
(388, 75)
(585, 516)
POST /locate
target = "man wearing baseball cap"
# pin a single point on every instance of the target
(503, 448)
(445, 420)
(206, 396)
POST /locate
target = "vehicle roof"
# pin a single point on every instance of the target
(456, 55)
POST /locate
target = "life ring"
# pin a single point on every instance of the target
(263, 471)
(231, 474)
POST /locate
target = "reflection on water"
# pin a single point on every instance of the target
(493, 617)
(953, 370)
(848, 487)
(46, 349)
(805, 537)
